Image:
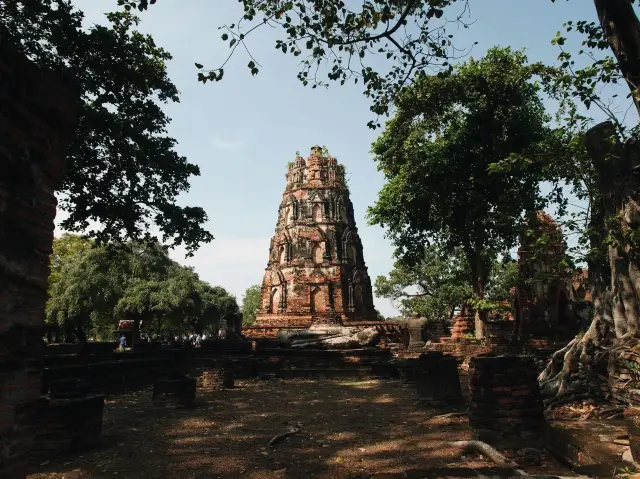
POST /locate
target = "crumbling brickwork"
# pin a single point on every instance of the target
(36, 121)
(316, 271)
(545, 291)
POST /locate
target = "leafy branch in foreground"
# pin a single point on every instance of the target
(329, 36)
(122, 169)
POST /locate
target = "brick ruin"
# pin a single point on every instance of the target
(316, 273)
(36, 123)
(548, 302)
(544, 303)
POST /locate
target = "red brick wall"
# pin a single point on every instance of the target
(36, 122)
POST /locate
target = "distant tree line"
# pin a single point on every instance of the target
(92, 287)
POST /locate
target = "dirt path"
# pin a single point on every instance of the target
(347, 429)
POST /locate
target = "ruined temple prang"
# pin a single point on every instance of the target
(316, 269)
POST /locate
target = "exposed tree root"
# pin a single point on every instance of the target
(613, 266)
(487, 450)
(450, 415)
(572, 372)
(495, 456)
(276, 439)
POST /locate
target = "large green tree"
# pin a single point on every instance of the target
(440, 283)
(99, 285)
(177, 303)
(122, 169)
(600, 163)
(250, 304)
(92, 282)
(433, 287)
(436, 155)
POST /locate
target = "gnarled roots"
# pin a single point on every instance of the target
(576, 371)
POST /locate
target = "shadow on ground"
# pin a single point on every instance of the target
(347, 429)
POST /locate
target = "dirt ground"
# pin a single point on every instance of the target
(347, 429)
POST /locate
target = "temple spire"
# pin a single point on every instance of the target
(316, 270)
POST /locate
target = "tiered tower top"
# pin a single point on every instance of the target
(317, 171)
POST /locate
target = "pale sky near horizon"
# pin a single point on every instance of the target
(243, 131)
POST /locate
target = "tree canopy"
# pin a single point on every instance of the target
(437, 152)
(122, 169)
(97, 286)
(64, 248)
(250, 304)
(440, 283)
(433, 287)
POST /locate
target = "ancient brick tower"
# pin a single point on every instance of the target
(316, 271)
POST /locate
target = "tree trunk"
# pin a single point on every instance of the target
(517, 320)
(135, 334)
(622, 30)
(479, 282)
(613, 268)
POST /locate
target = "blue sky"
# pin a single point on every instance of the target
(243, 131)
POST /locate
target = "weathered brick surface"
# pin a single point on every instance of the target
(37, 117)
(544, 302)
(316, 270)
(505, 406)
(462, 325)
(67, 425)
(463, 349)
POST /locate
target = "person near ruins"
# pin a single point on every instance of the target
(123, 342)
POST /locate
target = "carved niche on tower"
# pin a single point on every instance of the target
(355, 291)
(278, 295)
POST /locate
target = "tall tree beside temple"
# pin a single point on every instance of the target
(601, 164)
(436, 155)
